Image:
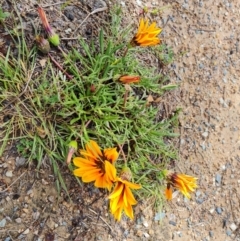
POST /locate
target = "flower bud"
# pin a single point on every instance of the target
(72, 149)
(42, 44)
(126, 174)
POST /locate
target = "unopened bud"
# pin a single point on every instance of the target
(72, 149)
(126, 174)
(42, 44)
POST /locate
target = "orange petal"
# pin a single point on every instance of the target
(118, 214)
(79, 162)
(129, 211)
(132, 185)
(117, 190)
(111, 171)
(126, 79)
(130, 198)
(168, 193)
(111, 154)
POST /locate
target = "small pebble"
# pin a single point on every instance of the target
(172, 223)
(218, 178)
(159, 216)
(200, 200)
(145, 224)
(205, 134)
(233, 227)
(146, 235)
(179, 234)
(44, 182)
(211, 210)
(20, 161)
(198, 193)
(211, 234)
(139, 3)
(139, 221)
(68, 30)
(182, 141)
(228, 232)
(218, 210)
(9, 174)
(7, 239)
(51, 199)
(126, 233)
(18, 220)
(224, 80)
(3, 223)
(69, 15)
(203, 146)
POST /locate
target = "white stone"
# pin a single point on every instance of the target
(146, 235)
(233, 226)
(18, 220)
(145, 224)
(26, 231)
(9, 174)
(211, 210)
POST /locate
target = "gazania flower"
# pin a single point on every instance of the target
(122, 199)
(146, 35)
(184, 183)
(127, 79)
(52, 36)
(96, 166)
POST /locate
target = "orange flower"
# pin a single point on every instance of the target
(127, 79)
(96, 165)
(122, 199)
(146, 35)
(184, 183)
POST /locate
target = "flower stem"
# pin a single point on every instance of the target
(124, 157)
(60, 67)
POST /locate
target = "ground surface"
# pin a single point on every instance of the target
(205, 39)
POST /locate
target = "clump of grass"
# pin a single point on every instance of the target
(45, 111)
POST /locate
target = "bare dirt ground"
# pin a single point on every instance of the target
(205, 38)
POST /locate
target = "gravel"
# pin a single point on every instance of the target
(218, 210)
(228, 232)
(3, 223)
(9, 174)
(233, 226)
(172, 223)
(211, 234)
(218, 178)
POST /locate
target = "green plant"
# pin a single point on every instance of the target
(3, 15)
(47, 111)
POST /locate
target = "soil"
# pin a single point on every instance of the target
(205, 38)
